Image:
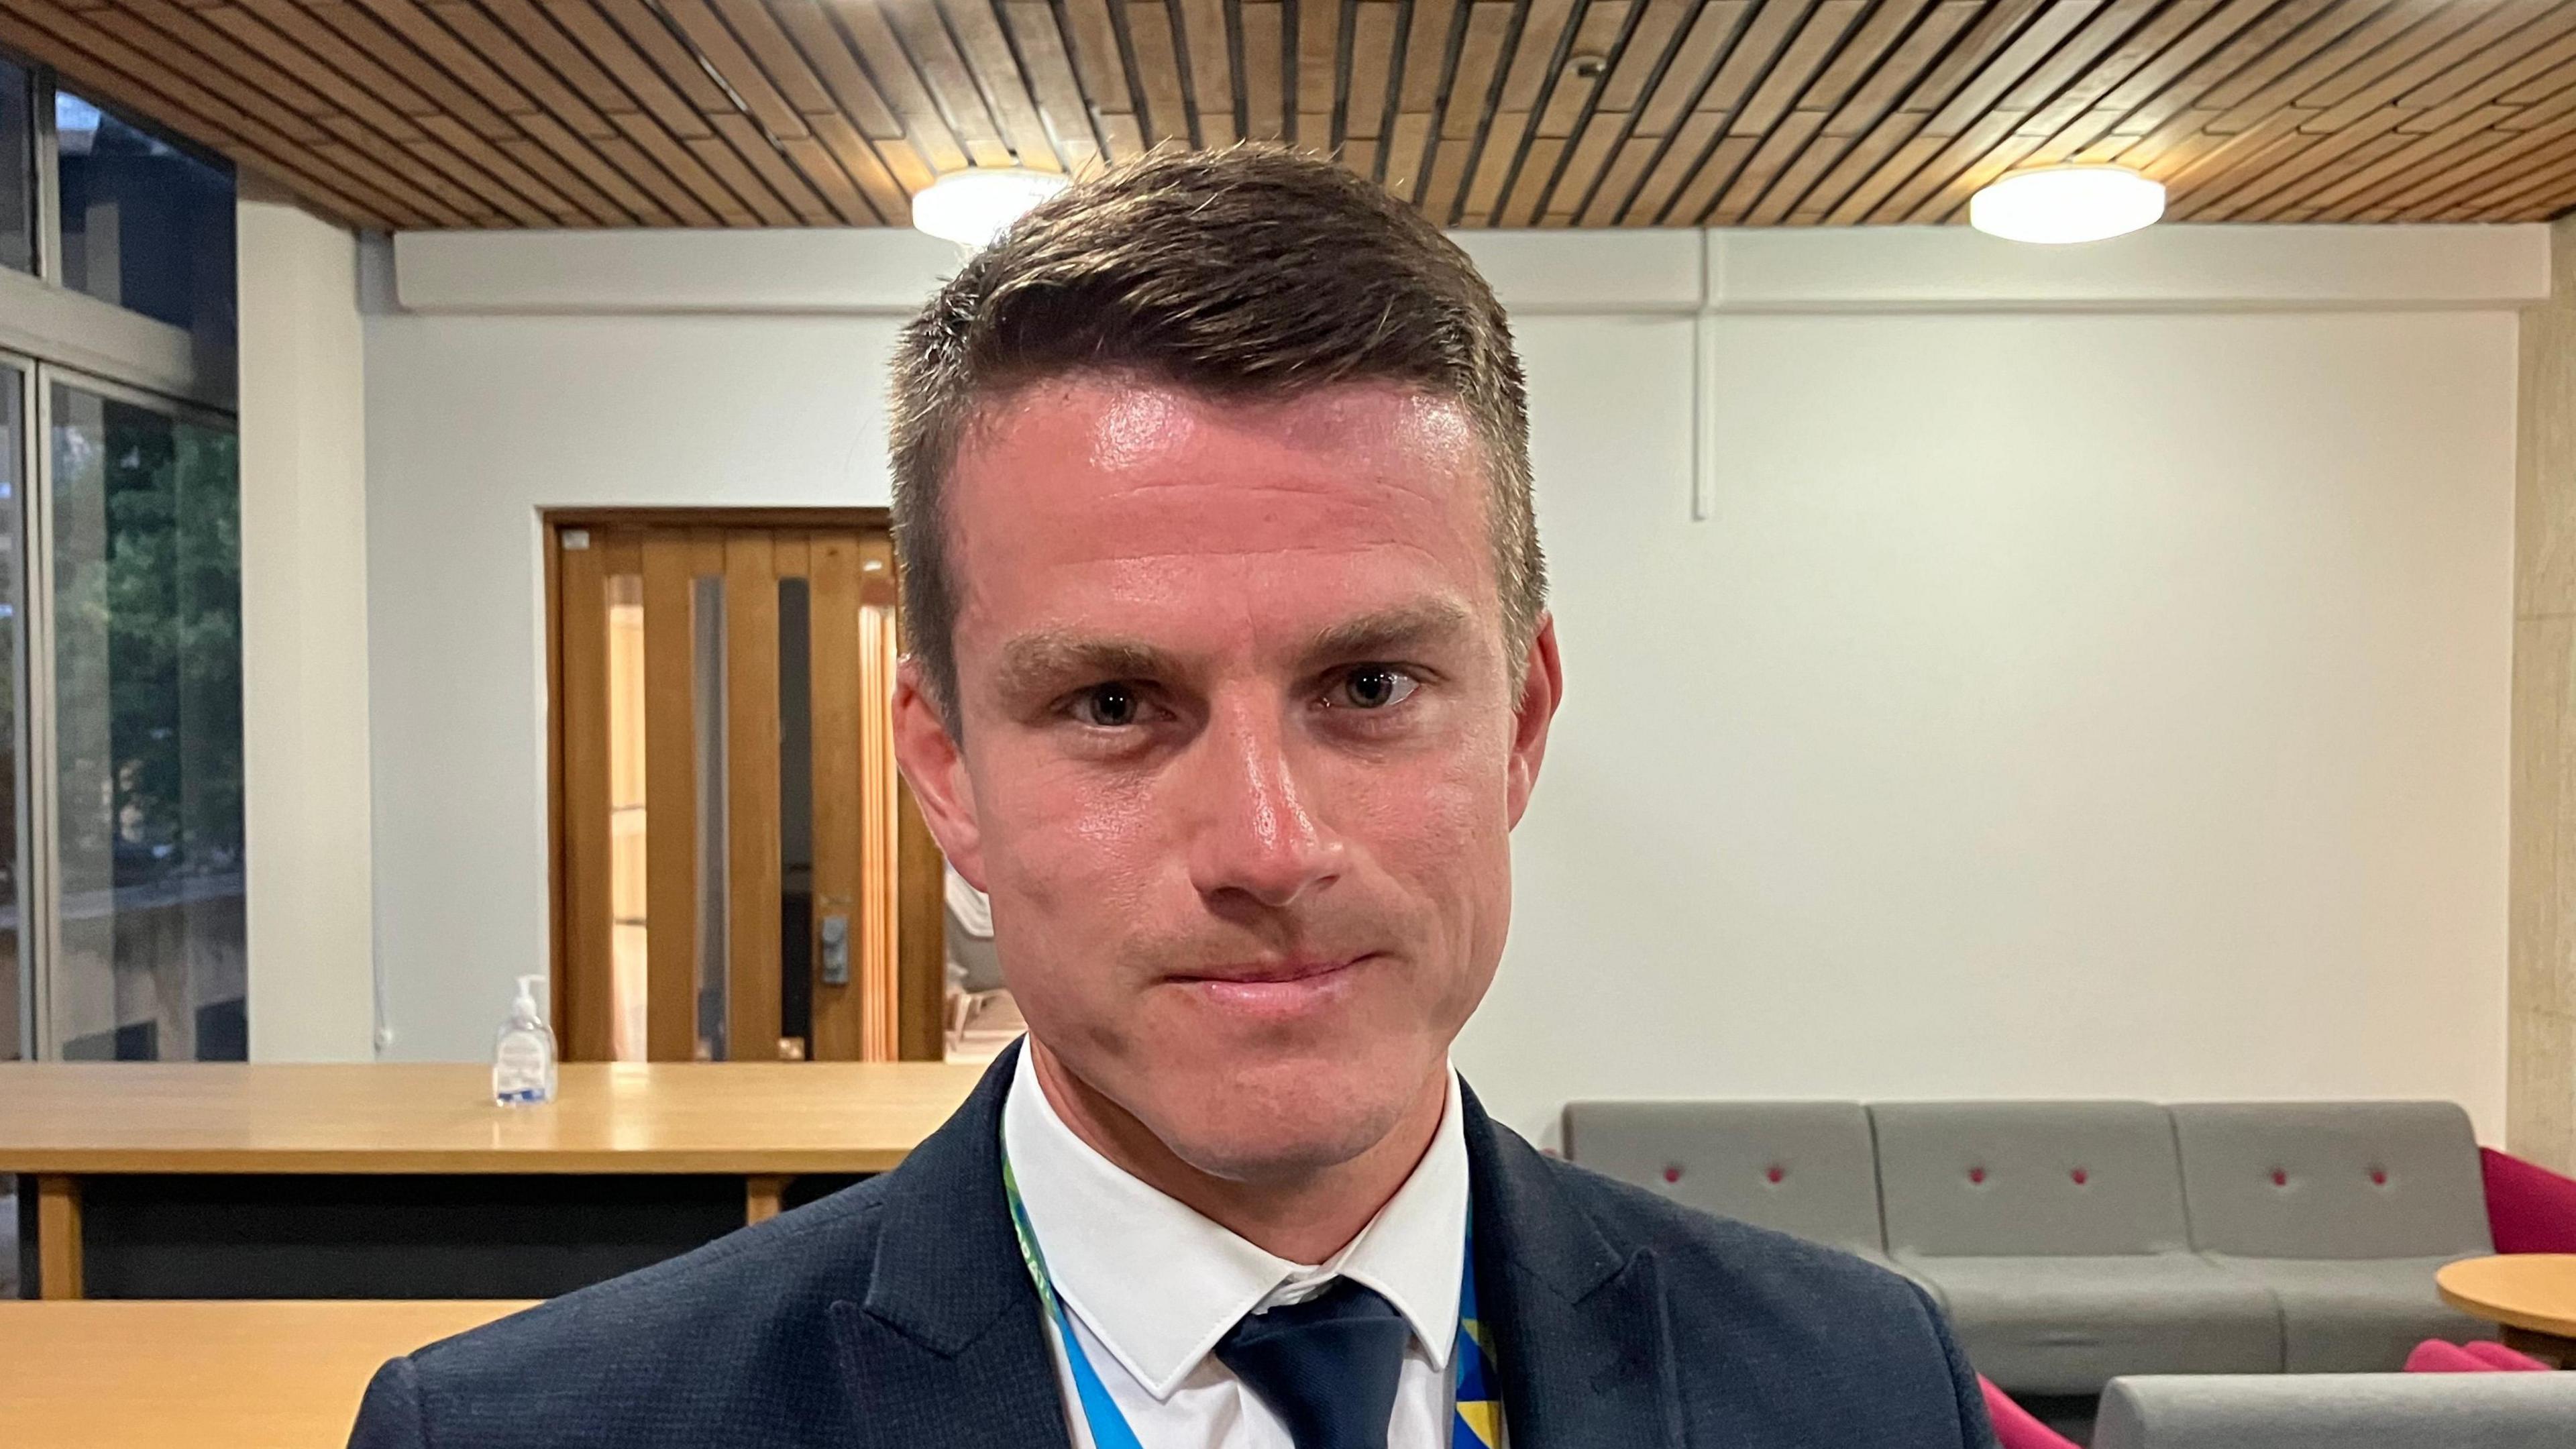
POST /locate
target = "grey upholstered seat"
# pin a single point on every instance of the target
(2344, 1210)
(1802, 1168)
(2055, 1232)
(2340, 1411)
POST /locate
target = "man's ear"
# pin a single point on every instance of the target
(935, 766)
(1542, 686)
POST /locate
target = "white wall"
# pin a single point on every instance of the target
(304, 640)
(2055, 703)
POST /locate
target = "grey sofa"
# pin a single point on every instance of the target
(2056, 1233)
(2344, 1211)
(1808, 1169)
(2341, 1411)
(2224, 1238)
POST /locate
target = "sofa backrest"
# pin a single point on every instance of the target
(2337, 1411)
(2028, 1179)
(1803, 1168)
(2332, 1179)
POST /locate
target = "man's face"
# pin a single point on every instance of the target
(1242, 750)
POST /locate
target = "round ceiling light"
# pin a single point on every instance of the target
(971, 208)
(2067, 204)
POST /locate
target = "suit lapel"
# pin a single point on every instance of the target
(949, 1346)
(1586, 1346)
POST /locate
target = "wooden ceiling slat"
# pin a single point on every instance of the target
(1693, 62)
(1583, 166)
(1957, 154)
(827, 53)
(2286, 199)
(910, 34)
(121, 74)
(1494, 164)
(2307, 53)
(2401, 168)
(2558, 56)
(1779, 91)
(1537, 168)
(2267, 177)
(476, 94)
(2487, 46)
(2497, 154)
(2368, 53)
(1265, 116)
(2058, 80)
(988, 57)
(474, 29)
(1406, 143)
(1658, 21)
(1779, 147)
(2496, 174)
(1480, 112)
(1720, 165)
(1596, 35)
(1211, 57)
(1318, 59)
(2235, 36)
(1158, 66)
(1050, 70)
(699, 184)
(1427, 35)
(766, 161)
(1680, 157)
(1619, 181)
(1751, 56)
(1373, 32)
(1882, 88)
(1981, 93)
(2079, 91)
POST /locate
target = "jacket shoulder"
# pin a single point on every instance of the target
(717, 1345)
(1775, 1330)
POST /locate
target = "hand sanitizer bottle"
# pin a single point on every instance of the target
(523, 1059)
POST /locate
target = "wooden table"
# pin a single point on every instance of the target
(181, 1169)
(255, 1375)
(2532, 1295)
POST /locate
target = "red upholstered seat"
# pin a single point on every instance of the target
(2530, 1209)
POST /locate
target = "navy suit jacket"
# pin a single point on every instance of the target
(896, 1314)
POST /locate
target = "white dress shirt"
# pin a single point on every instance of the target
(1151, 1285)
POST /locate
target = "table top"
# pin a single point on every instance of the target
(216, 1375)
(2536, 1291)
(427, 1117)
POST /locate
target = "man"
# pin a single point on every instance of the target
(1230, 676)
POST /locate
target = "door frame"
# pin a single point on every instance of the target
(920, 888)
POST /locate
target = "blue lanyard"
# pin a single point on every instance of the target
(1474, 1422)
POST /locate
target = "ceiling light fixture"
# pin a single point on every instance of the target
(971, 208)
(2067, 204)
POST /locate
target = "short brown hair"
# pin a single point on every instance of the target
(1253, 271)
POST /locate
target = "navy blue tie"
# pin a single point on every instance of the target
(1327, 1367)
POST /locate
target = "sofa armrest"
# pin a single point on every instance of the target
(2530, 1209)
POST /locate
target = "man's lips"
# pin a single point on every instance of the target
(1268, 973)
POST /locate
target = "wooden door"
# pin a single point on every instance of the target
(740, 874)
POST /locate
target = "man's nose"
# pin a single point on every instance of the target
(1258, 838)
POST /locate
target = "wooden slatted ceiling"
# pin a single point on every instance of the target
(543, 113)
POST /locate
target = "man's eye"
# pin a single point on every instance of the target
(1108, 706)
(1371, 686)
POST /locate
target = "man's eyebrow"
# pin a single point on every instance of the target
(1391, 631)
(1049, 659)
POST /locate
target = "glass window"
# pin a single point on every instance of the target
(17, 170)
(146, 599)
(16, 975)
(145, 225)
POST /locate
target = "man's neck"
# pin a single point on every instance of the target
(1304, 1219)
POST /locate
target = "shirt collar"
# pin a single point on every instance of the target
(1158, 1284)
